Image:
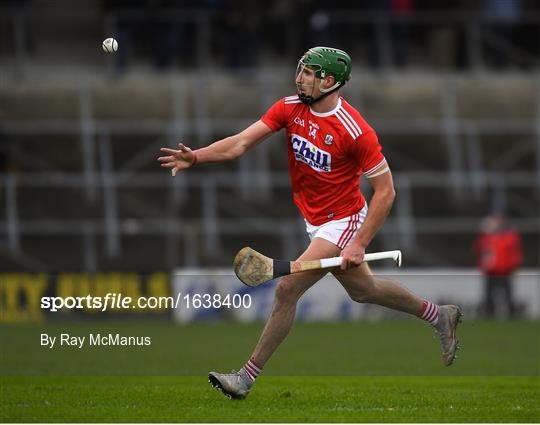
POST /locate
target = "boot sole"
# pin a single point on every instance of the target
(214, 381)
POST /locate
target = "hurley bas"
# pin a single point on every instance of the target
(68, 340)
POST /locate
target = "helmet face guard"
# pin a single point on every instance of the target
(324, 61)
(306, 98)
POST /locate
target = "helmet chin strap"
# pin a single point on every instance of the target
(307, 99)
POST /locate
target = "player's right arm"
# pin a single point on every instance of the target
(223, 150)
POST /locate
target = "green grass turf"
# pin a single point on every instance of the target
(274, 399)
(398, 347)
(376, 372)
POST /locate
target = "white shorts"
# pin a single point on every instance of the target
(339, 232)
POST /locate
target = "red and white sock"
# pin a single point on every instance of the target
(252, 369)
(430, 312)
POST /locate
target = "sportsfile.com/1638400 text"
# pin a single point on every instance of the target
(112, 301)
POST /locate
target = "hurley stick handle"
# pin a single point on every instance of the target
(325, 263)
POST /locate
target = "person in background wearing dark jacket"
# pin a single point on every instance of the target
(499, 254)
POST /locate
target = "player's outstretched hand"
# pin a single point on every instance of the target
(177, 159)
(353, 255)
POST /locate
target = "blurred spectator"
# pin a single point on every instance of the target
(392, 25)
(502, 18)
(319, 23)
(400, 30)
(280, 24)
(165, 33)
(147, 27)
(375, 38)
(239, 35)
(499, 254)
(125, 30)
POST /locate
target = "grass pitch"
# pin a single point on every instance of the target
(341, 372)
(274, 399)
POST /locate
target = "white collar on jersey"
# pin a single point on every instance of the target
(327, 114)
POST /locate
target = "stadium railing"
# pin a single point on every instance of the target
(464, 176)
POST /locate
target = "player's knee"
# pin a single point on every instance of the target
(365, 294)
(287, 292)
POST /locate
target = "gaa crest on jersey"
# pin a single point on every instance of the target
(308, 153)
(328, 139)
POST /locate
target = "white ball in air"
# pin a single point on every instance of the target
(110, 45)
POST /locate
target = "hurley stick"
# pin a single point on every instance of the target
(253, 268)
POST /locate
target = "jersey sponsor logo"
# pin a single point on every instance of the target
(299, 121)
(308, 153)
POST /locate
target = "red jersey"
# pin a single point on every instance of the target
(327, 153)
(500, 253)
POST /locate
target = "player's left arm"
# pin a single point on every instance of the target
(379, 207)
